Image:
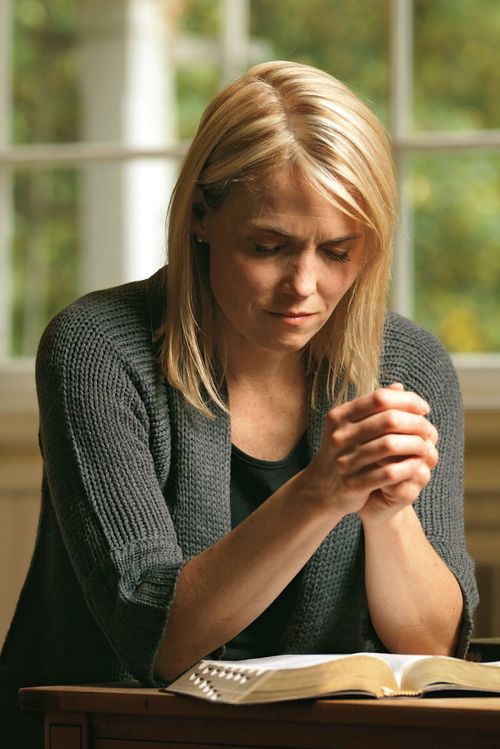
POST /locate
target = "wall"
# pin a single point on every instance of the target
(482, 512)
(20, 471)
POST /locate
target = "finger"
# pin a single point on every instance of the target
(406, 492)
(380, 400)
(390, 474)
(385, 449)
(430, 456)
(346, 438)
(396, 386)
(403, 494)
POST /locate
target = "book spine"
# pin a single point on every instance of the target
(215, 682)
(386, 692)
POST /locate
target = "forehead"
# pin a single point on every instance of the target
(284, 195)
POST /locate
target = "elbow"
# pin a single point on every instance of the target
(420, 640)
(172, 660)
(167, 666)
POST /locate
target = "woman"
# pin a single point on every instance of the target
(240, 454)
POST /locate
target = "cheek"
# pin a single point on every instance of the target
(232, 276)
(334, 287)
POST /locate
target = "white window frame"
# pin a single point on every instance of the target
(479, 374)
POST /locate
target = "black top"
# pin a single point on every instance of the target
(252, 482)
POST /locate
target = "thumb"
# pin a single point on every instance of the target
(396, 386)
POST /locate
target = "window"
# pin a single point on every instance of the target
(444, 123)
(98, 99)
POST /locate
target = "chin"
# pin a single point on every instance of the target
(282, 346)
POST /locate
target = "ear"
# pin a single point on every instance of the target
(199, 210)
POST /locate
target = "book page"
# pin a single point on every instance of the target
(399, 663)
(279, 662)
(442, 669)
(396, 662)
(357, 674)
(434, 673)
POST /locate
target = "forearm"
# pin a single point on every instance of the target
(226, 587)
(414, 600)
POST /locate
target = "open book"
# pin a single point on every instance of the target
(294, 677)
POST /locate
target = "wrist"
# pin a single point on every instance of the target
(390, 522)
(317, 496)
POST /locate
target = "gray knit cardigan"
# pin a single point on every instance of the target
(136, 482)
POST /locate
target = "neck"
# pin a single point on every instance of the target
(246, 362)
(251, 364)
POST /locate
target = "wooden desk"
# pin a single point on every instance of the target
(133, 718)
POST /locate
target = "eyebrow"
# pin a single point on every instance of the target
(268, 229)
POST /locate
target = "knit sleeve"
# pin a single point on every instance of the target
(423, 365)
(95, 424)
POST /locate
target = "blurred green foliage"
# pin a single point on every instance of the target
(456, 196)
(45, 246)
(456, 200)
(349, 40)
(45, 63)
(456, 64)
(45, 251)
(195, 88)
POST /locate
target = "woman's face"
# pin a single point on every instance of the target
(281, 258)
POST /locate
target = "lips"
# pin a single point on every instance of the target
(293, 318)
(293, 314)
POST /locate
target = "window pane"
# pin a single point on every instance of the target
(45, 92)
(196, 85)
(77, 230)
(349, 40)
(45, 252)
(92, 71)
(457, 248)
(457, 63)
(201, 17)
(198, 75)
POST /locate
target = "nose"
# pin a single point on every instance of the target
(301, 277)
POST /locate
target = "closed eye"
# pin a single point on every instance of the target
(334, 255)
(268, 249)
(338, 257)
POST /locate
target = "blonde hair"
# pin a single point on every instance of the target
(277, 115)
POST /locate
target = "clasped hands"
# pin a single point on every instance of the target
(377, 453)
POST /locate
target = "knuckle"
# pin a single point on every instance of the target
(430, 453)
(433, 433)
(380, 398)
(391, 420)
(341, 463)
(423, 473)
(332, 418)
(389, 443)
(390, 471)
(337, 440)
